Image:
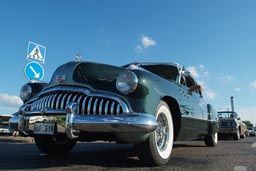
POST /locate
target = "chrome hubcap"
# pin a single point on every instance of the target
(162, 132)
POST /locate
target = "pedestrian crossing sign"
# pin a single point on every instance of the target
(36, 52)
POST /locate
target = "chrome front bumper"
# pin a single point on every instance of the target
(69, 122)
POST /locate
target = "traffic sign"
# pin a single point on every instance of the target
(34, 71)
(36, 52)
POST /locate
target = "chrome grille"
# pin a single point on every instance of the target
(227, 124)
(87, 105)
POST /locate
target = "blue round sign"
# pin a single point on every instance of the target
(34, 71)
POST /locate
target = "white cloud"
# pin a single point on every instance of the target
(227, 79)
(206, 74)
(209, 93)
(203, 70)
(199, 71)
(139, 49)
(10, 101)
(237, 89)
(145, 43)
(194, 72)
(253, 85)
(201, 66)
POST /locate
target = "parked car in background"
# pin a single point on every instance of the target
(4, 124)
(12, 123)
(231, 125)
(149, 105)
(4, 131)
(251, 132)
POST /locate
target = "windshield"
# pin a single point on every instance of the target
(227, 114)
(165, 71)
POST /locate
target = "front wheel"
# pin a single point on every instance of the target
(237, 135)
(156, 150)
(58, 144)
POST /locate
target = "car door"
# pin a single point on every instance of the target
(199, 114)
(187, 110)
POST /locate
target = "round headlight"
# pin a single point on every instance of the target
(25, 92)
(127, 82)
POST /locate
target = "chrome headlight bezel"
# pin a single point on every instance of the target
(127, 82)
(26, 92)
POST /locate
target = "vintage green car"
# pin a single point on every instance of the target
(149, 105)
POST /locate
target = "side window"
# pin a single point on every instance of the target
(192, 85)
(190, 82)
(187, 81)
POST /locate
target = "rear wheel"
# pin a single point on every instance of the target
(58, 144)
(156, 150)
(243, 135)
(211, 140)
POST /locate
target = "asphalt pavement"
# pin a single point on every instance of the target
(19, 153)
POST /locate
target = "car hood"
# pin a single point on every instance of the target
(88, 74)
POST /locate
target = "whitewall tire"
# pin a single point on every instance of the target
(156, 150)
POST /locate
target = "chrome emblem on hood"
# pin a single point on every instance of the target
(60, 78)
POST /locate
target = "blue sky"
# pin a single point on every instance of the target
(214, 39)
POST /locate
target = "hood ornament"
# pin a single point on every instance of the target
(60, 78)
(78, 58)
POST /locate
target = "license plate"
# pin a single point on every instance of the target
(44, 128)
